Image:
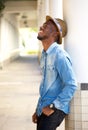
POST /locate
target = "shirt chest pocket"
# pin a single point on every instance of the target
(50, 67)
(51, 71)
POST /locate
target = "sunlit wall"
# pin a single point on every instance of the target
(76, 16)
(9, 38)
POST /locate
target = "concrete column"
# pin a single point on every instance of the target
(0, 34)
(46, 7)
(49, 7)
(55, 8)
(76, 16)
(41, 18)
(42, 11)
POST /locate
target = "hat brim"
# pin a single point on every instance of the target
(50, 18)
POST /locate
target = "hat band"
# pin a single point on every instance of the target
(58, 26)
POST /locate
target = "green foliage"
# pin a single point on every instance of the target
(33, 29)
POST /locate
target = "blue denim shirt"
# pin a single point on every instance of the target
(58, 82)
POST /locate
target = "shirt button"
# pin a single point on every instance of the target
(40, 104)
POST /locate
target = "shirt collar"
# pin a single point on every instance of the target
(50, 48)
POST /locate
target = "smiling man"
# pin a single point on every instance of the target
(58, 80)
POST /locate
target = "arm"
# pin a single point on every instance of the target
(64, 68)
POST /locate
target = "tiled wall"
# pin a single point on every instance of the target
(78, 117)
(62, 126)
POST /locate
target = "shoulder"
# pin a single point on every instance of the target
(62, 55)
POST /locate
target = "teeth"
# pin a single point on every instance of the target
(40, 31)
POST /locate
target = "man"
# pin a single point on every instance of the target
(58, 83)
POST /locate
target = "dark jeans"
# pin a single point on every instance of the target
(50, 122)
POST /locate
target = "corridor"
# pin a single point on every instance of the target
(19, 86)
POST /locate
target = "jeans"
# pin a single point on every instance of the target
(50, 122)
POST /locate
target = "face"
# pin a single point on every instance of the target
(46, 30)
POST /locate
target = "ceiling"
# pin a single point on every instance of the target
(24, 10)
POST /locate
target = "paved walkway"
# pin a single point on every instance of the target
(19, 86)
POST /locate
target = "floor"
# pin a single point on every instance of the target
(19, 87)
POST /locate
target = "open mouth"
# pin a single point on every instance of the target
(40, 31)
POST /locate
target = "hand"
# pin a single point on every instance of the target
(47, 111)
(34, 118)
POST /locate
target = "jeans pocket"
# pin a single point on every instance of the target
(49, 115)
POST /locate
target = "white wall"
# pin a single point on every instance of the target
(76, 42)
(9, 36)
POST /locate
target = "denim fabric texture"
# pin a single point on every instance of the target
(58, 79)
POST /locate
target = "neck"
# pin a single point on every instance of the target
(47, 44)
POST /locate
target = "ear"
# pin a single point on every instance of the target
(56, 34)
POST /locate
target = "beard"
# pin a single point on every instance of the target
(41, 37)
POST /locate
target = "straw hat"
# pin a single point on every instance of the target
(61, 26)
